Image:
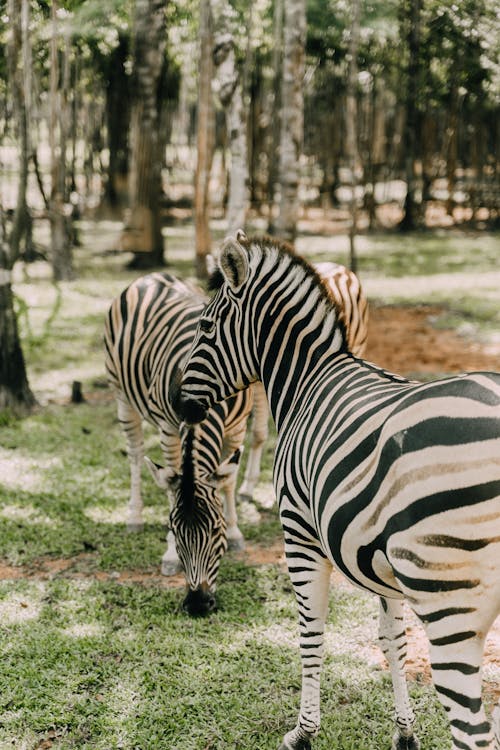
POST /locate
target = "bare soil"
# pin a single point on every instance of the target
(404, 340)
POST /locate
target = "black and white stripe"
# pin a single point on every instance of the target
(148, 332)
(396, 484)
(345, 288)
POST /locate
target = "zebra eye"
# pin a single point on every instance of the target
(206, 325)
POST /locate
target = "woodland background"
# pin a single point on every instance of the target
(361, 114)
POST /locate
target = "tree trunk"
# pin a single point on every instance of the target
(292, 117)
(411, 215)
(19, 68)
(231, 97)
(274, 109)
(142, 234)
(15, 393)
(62, 256)
(205, 140)
(118, 126)
(352, 128)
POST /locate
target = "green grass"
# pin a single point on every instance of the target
(93, 659)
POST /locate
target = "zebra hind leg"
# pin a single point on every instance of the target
(131, 424)
(392, 639)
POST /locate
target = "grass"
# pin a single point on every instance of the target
(94, 659)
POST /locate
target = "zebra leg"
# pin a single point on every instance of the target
(310, 575)
(456, 659)
(392, 639)
(171, 448)
(235, 540)
(259, 435)
(131, 424)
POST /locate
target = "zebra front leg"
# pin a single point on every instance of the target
(228, 473)
(392, 639)
(131, 424)
(171, 448)
(310, 575)
(258, 437)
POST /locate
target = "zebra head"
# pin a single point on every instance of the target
(197, 522)
(216, 369)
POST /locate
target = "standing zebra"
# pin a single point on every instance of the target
(396, 484)
(148, 332)
(344, 287)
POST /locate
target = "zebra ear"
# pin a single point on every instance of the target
(163, 477)
(230, 466)
(233, 262)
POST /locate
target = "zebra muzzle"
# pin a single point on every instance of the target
(199, 602)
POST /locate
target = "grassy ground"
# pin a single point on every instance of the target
(95, 652)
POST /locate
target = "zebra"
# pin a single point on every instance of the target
(346, 290)
(148, 330)
(394, 483)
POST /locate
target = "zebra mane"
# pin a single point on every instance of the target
(187, 483)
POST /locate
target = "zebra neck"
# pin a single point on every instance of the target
(294, 343)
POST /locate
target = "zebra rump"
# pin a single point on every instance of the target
(395, 483)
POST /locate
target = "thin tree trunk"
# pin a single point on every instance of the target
(19, 64)
(274, 108)
(205, 140)
(142, 234)
(15, 392)
(352, 128)
(62, 257)
(411, 209)
(231, 97)
(292, 117)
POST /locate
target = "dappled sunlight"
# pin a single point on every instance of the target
(27, 514)
(57, 383)
(20, 607)
(18, 471)
(84, 630)
(117, 515)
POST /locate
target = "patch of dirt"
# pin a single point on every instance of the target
(403, 340)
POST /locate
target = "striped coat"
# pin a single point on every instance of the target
(148, 332)
(345, 289)
(396, 484)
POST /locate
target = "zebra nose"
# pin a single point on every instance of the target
(191, 410)
(199, 602)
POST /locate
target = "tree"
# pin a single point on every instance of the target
(59, 216)
(142, 234)
(292, 117)
(352, 125)
(15, 393)
(230, 90)
(205, 129)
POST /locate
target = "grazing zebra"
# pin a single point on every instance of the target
(148, 332)
(396, 484)
(346, 290)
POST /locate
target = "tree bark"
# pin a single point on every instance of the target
(292, 117)
(205, 140)
(411, 210)
(352, 128)
(142, 234)
(118, 127)
(230, 90)
(15, 392)
(59, 218)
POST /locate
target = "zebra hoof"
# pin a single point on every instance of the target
(134, 528)
(236, 545)
(170, 567)
(405, 743)
(300, 745)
